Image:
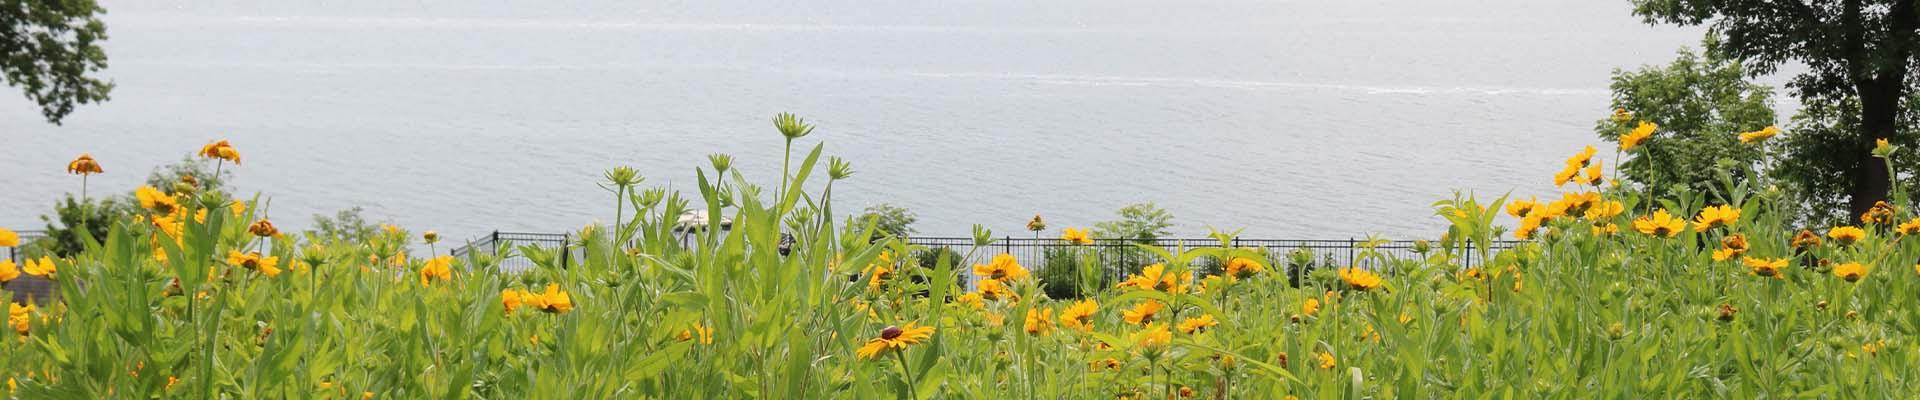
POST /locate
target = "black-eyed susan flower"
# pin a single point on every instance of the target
(894, 338)
(83, 165)
(437, 269)
(1638, 135)
(1731, 247)
(513, 299)
(155, 200)
(1520, 208)
(1156, 277)
(1310, 307)
(1575, 204)
(972, 300)
(877, 276)
(1605, 209)
(1566, 175)
(997, 291)
(1765, 267)
(1529, 226)
(220, 150)
(1198, 324)
(263, 228)
(1079, 316)
(1880, 214)
(1850, 271)
(1153, 338)
(1716, 216)
(1242, 268)
(1846, 235)
(1359, 279)
(1660, 224)
(1324, 360)
(253, 261)
(1076, 236)
(1595, 174)
(1582, 158)
(1039, 322)
(1143, 313)
(20, 316)
(1759, 136)
(1909, 228)
(553, 300)
(1004, 268)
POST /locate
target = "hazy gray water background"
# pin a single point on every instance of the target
(1289, 118)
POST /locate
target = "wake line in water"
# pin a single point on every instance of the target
(1099, 80)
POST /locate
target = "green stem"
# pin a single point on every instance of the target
(912, 391)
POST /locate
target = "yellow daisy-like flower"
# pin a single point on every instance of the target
(1003, 268)
(513, 299)
(1880, 214)
(1806, 238)
(1143, 313)
(895, 338)
(153, 199)
(1575, 204)
(9, 238)
(1716, 216)
(1910, 227)
(20, 316)
(1039, 322)
(1076, 236)
(1241, 268)
(83, 165)
(1566, 175)
(1582, 158)
(437, 269)
(973, 300)
(1528, 226)
(1155, 277)
(43, 268)
(554, 300)
(1309, 307)
(1605, 229)
(702, 331)
(1360, 279)
(1732, 246)
(1760, 135)
(1605, 209)
(220, 150)
(1154, 337)
(1620, 115)
(1660, 224)
(1596, 174)
(8, 271)
(1325, 359)
(1198, 324)
(1881, 148)
(1520, 208)
(1079, 316)
(1846, 235)
(877, 275)
(1851, 271)
(994, 290)
(1765, 267)
(263, 228)
(1638, 135)
(253, 261)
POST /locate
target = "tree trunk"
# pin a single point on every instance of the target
(1879, 111)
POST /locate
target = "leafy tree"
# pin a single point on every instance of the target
(97, 216)
(345, 225)
(51, 51)
(1700, 105)
(1815, 156)
(1855, 51)
(893, 220)
(167, 177)
(1140, 222)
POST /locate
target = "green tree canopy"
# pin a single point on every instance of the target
(1701, 105)
(50, 49)
(1855, 50)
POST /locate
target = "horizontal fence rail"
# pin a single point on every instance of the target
(1118, 257)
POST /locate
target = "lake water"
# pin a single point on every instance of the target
(1320, 119)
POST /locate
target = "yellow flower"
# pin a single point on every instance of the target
(1197, 324)
(1881, 148)
(1880, 214)
(84, 165)
(1573, 204)
(1240, 268)
(1325, 358)
(1520, 208)
(1039, 321)
(1154, 337)
(153, 199)
(1910, 227)
(20, 317)
(1660, 224)
(1036, 224)
(1766, 268)
(1620, 115)
(8, 271)
(253, 261)
(1806, 238)
(1760, 135)
(512, 299)
(877, 275)
(43, 268)
(1076, 236)
(1143, 313)
(263, 228)
(1604, 210)
(973, 300)
(895, 338)
(9, 238)
(1596, 174)
(430, 236)
(1852, 271)
(553, 301)
(994, 290)
(705, 334)
(1528, 226)
(1566, 175)
(1605, 229)
(1638, 135)
(1156, 277)
(1359, 279)
(1732, 246)
(1580, 159)
(1846, 234)
(220, 150)
(1716, 216)
(1079, 316)
(1003, 268)
(439, 268)
(1309, 307)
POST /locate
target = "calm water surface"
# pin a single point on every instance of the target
(1315, 118)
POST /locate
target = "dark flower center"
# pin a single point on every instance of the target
(892, 332)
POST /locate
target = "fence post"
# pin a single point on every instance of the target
(1469, 251)
(566, 241)
(1006, 245)
(495, 240)
(1351, 262)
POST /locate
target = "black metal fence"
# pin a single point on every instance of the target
(26, 286)
(1113, 255)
